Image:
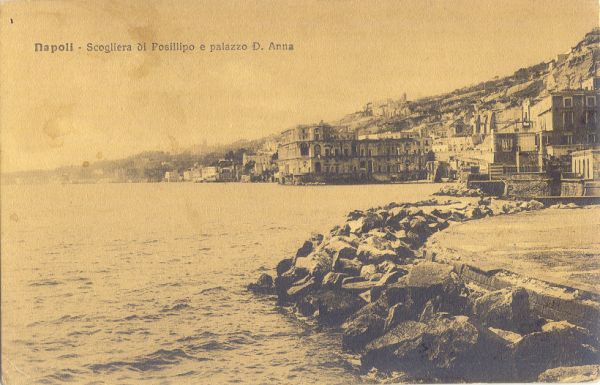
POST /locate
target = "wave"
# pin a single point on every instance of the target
(150, 362)
(46, 282)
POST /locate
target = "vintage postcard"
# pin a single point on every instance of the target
(299, 192)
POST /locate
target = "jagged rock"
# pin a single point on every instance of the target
(535, 205)
(386, 267)
(396, 214)
(394, 316)
(333, 279)
(379, 352)
(301, 288)
(305, 249)
(284, 265)
(339, 244)
(334, 306)
(354, 215)
(352, 280)
(316, 264)
(507, 335)
(376, 250)
(347, 266)
(358, 287)
(368, 272)
(263, 285)
(450, 346)
(286, 280)
(358, 331)
(505, 309)
(427, 281)
(391, 276)
(571, 374)
(558, 344)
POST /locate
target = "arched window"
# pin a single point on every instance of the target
(317, 150)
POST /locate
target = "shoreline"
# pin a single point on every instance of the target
(403, 307)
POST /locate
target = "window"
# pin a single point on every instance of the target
(590, 117)
(362, 152)
(568, 118)
(569, 139)
(506, 144)
(327, 152)
(303, 149)
(317, 150)
(568, 102)
(363, 164)
(590, 101)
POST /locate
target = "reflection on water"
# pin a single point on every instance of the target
(144, 283)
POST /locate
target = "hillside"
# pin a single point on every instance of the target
(435, 115)
(501, 95)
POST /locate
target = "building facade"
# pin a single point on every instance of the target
(323, 153)
(567, 121)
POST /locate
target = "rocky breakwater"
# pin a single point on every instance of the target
(400, 311)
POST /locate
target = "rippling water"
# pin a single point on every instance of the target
(144, 283)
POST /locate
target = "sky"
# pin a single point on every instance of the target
(66, 108)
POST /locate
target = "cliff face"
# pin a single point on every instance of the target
(501, 95)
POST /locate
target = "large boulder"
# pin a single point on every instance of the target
(305, 249)
(347, 266)
(317, 264)
(368, 272)
(333, 306)
(506, 309)
(429, 281)
(571, 374)
(365, 223)
(284, 265)
(340, 247)
(451, 348)
(358, 331)
(264, 285)
(375, 250)
(286, 280)
(558, 344)
(301, 288)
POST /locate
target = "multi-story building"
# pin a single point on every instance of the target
(567, 121)
(323, 153)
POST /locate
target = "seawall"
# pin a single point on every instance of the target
(404, 307)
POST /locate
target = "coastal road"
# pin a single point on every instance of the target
(560, 246)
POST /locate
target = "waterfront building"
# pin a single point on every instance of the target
(566, 121)
(259, 163)
(324, 153)
(586, 164)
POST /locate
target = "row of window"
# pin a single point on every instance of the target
(305, 150)
(588, 118)
(590, 101)
(363, 167)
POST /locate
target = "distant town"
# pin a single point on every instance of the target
(536, 131)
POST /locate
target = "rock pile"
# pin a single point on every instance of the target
(459, 190)
(400, 311)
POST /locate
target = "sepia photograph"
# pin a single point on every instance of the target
(301, 192)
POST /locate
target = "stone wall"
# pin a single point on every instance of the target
(530, 185)
(571, 187)
(488, 187)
